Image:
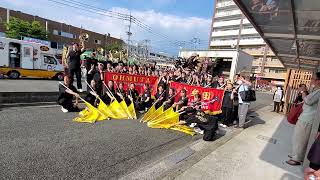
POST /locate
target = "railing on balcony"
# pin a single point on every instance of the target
(228, 13)
(249, 31)
(233, 42)
(236, 22)
(225, 4)
(258, 52)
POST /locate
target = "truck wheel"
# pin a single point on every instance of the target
(14, 74)
(59, 76)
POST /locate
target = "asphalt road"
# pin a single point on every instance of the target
(43, 143)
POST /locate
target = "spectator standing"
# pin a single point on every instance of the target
(314, 158)
(303, 126)
(277, 98)
(227, 105)
(243, 105)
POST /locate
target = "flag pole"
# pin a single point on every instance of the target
(81, 98)
(124, 108)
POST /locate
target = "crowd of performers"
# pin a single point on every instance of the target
(190, 111)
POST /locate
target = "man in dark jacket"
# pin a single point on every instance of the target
(74, 63)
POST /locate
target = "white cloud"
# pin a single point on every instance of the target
(174, 27)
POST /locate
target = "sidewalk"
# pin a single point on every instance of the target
(21, 92)
(258, 152)
(31, 85)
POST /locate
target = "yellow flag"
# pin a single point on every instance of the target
(184, 129)
(167, 115)
(117, 110)
(132, 110)
(102, 107)
(149, 112)
(165, 122)
(88, 116)
(124, 106)
(154, 115)
(157, 115)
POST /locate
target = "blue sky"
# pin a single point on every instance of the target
(177, 20)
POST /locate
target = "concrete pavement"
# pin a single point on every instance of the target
(258, 152)
(42, 142)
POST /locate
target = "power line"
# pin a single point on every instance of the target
(112, 14)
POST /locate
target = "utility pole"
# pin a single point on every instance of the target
(147, 49)
(129, 33)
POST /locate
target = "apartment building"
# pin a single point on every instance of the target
(226, 34)
(59, 33)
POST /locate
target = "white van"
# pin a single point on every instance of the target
(20, 58)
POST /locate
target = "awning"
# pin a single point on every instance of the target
(291, 28)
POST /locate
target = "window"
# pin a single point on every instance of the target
(54, 45)
(97, 41)
(49, 60)
(27, 52)
(55, 32)
(64, 34)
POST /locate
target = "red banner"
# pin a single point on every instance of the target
(207, 95)
(127, 79)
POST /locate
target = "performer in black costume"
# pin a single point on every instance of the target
(120, 92)
(132, 95)
(160, 96)
(183, 100)
(145, 101)
(170, 99)
(107, 97)
(66, 96)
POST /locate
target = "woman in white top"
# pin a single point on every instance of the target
(277, 98)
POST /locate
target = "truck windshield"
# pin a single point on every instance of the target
(49, 60)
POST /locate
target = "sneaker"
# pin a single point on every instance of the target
(64, 110)
(198, 130)
(193, 125)
(80, 90)
(222, 125)
(217, 131)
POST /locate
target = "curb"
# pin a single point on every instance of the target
(16, 99)
(176, 163)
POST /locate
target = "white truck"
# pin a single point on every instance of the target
(20, 58)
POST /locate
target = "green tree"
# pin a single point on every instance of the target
(113, 47)
(16, 28)
(37, 31)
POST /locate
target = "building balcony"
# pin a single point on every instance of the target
(233, 42)
(225, 4)
(250, 31)
(259, 52)
(270, 75)
(271, 64)
(228, 13)
(227, 23)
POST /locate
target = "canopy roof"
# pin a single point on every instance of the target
(291, 28)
